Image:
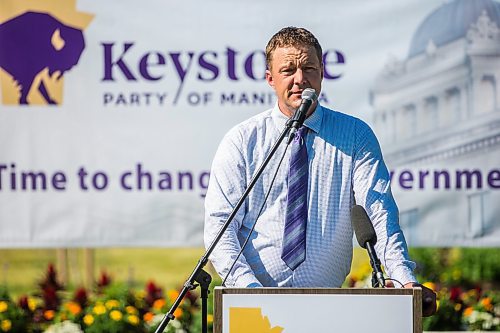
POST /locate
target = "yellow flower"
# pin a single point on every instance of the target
(158, 304)
(140, 295)
(49, 314)
(457, 274)
(99, 309)
(88, 319)
(430, 285)
(133, 319)
(148, 316)
(472, 293)
(458, 306)
(32, 303)
(3, 306)
(210, 318)
(131, 310)
(116, 315)
(112, 303)
(6, 325)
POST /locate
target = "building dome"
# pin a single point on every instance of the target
(451, 22)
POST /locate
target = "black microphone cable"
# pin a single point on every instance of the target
(391, 279)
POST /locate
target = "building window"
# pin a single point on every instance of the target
(391, 125)
(487, 94)
(410, 121)
(431, 115)
(476, 224)
(452, 111)
(380, 123)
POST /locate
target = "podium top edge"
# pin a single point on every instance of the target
(318, 291)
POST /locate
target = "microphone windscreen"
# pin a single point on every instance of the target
(363, 227)
(309, 93)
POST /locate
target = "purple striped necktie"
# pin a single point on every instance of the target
(294, 236)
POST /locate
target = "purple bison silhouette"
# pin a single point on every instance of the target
(33, 41)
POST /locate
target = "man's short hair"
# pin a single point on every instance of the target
(292, 36)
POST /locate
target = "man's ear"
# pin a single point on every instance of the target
(269, 78)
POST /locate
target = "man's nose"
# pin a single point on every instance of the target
(299, 78)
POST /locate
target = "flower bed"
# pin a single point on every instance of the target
(470, 310)
(467, 283)
(110, 308)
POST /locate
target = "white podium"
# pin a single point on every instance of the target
(291, 310)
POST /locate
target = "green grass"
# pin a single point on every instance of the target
(168, 267)
(22, 269)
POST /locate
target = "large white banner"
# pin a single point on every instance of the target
(111, 111)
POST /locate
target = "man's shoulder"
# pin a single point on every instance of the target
(343, 120)
(250, 125)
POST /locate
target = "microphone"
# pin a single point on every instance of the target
(365, 234)
(308, 98)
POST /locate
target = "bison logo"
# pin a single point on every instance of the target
(36, 49)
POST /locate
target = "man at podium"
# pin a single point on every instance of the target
(297, 218)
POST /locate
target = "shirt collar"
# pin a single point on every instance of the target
(313, 122)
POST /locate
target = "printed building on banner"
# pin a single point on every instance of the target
(437, 115)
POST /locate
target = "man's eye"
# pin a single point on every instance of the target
(288, 70)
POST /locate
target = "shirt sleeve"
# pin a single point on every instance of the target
(371, 184)
(227, 184)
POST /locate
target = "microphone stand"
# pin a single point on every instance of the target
(201, 276)
(377, 276)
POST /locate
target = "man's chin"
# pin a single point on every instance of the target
(294, 105)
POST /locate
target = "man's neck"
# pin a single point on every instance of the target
(289, 113)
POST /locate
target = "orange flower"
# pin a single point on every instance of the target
(74, 308)
(49, 314)
(172, 295)
(486, 303)
(148, 316)
(178, 312)
(159, 303)
(468, 311)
